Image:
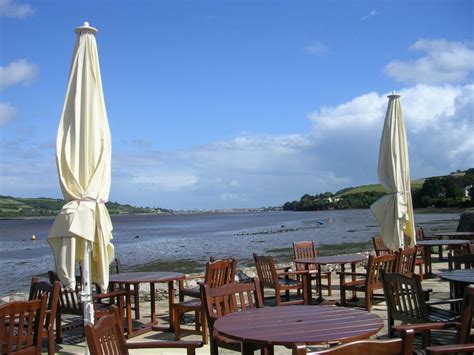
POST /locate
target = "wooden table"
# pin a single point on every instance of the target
(270, 326)
(342, 260)
(461, 275)
(150, 277)
(455, 235)
(451, 235)
(459, 278)
(427, 244)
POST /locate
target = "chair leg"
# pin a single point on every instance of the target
(329, 285)
(59, 329)
(177, 323)
(368, 301)
(51, 345)
(136, 298)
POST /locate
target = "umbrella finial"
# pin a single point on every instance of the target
(393, 95)
(86, 28)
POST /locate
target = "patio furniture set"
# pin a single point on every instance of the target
(238, 316)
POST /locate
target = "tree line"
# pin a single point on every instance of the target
(443, 191)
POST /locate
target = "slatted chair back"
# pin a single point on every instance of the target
(21, 326)
(405, 299)
(69, 300)
(230, 298)
(106, 337)
(401, 346)
(220, 272)
(266, 271)
(38, 289)
(376, 266)
(406, 261)
(304, 249)
(379, 246)
(419, 233)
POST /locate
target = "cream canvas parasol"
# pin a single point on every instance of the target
(82, 230)
(394, 211)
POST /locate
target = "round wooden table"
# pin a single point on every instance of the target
(150, 277)
(455, 235)
(342, 260)
(427, 244)
(462, 275)
(288, 325)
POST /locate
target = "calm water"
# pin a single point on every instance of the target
(143, 239)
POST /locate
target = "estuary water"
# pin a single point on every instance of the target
(141, 239)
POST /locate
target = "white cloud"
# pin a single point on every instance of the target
(445, 62)
(12, 9)
(173, 181)
(372, 13)
(18, 72)
(7, 113)
(317, 49)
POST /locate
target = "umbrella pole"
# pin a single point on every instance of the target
(86, 294)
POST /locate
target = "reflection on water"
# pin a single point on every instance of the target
(143, 239)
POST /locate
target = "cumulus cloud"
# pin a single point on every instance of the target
(12, 9)
(17, 72)
(317, 49)
(445, 62)
(372, 13)
(7, 113)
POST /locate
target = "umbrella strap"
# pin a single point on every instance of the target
(90, 199)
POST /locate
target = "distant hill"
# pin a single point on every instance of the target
(15, 207)
(415, 184)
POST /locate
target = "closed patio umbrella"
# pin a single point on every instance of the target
(394, 211)
(82, 230)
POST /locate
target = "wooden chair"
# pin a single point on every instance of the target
(21, 326)
(406, 303)
(379, 246)
(106, 337)
(381, 249)
(369, 281)
(269, 277)
(307, 249)
(463, 342)
(406, 261)
(400, 346)
(37, 290)
(218, 273)
(70, 303)
(230, 298)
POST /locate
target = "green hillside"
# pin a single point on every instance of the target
(14, 207)
(415, 184)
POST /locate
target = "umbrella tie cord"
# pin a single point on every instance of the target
(90, 199)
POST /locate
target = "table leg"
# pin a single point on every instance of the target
(171, 302)
(353, 278)
(152, 304)
(320, 285)
(247, 349)
(428, 268)
(128, 298)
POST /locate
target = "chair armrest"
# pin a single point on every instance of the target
(450, 349)
(420, 327)
(100, 296)
(164, 344)
(348, 273)
(451, 301)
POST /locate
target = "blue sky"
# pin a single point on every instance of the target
(216, 104)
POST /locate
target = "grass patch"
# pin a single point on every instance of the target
(185, 266)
